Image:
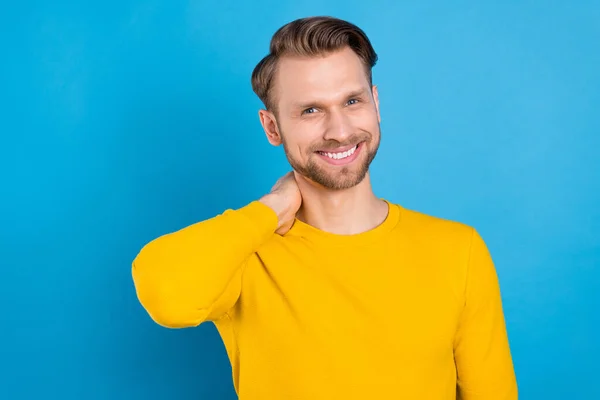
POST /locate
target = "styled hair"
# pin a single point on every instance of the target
(310, 37)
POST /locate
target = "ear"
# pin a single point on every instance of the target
(376, 99)
(269, 124)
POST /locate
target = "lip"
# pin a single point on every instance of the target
(343, 161)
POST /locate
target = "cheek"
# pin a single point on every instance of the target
(305, 138)
(297, 146)
(367, 121)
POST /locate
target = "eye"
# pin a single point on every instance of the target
(311, 110)
(352, 101)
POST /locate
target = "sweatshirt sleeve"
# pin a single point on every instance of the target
(481, 348)
(194, 274)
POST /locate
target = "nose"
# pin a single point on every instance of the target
(338, 126)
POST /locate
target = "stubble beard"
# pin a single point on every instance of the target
(336, 177)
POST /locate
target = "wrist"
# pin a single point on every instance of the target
(275, 203)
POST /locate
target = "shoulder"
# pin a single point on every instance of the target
(444, 246)
(422, 226)
(443, 242)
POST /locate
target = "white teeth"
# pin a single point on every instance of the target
(337, 156)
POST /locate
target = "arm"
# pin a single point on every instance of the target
(193, 275)
(481, 348)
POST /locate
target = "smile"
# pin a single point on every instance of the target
(342, 157)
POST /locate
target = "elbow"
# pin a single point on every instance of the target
(168, 314)
(163, 305)
(173, 318)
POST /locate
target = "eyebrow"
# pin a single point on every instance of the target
(308, 104)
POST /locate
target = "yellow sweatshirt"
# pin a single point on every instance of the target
(408, 310)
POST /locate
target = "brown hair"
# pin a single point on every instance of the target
(311, 36)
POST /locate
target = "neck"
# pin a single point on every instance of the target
(344, 212)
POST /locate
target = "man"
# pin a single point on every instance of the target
(320, 289)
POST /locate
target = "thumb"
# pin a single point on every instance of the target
(283, 229)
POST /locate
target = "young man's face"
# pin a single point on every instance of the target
(327, 118)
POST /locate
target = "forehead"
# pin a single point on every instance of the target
(322, 78)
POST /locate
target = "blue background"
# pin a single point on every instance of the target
(123, 120)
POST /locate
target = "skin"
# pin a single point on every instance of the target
(325, 104)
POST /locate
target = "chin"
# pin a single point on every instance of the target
(340, 180)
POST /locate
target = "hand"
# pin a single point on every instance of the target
(285, 199)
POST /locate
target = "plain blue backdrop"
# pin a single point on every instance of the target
(124, 120)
